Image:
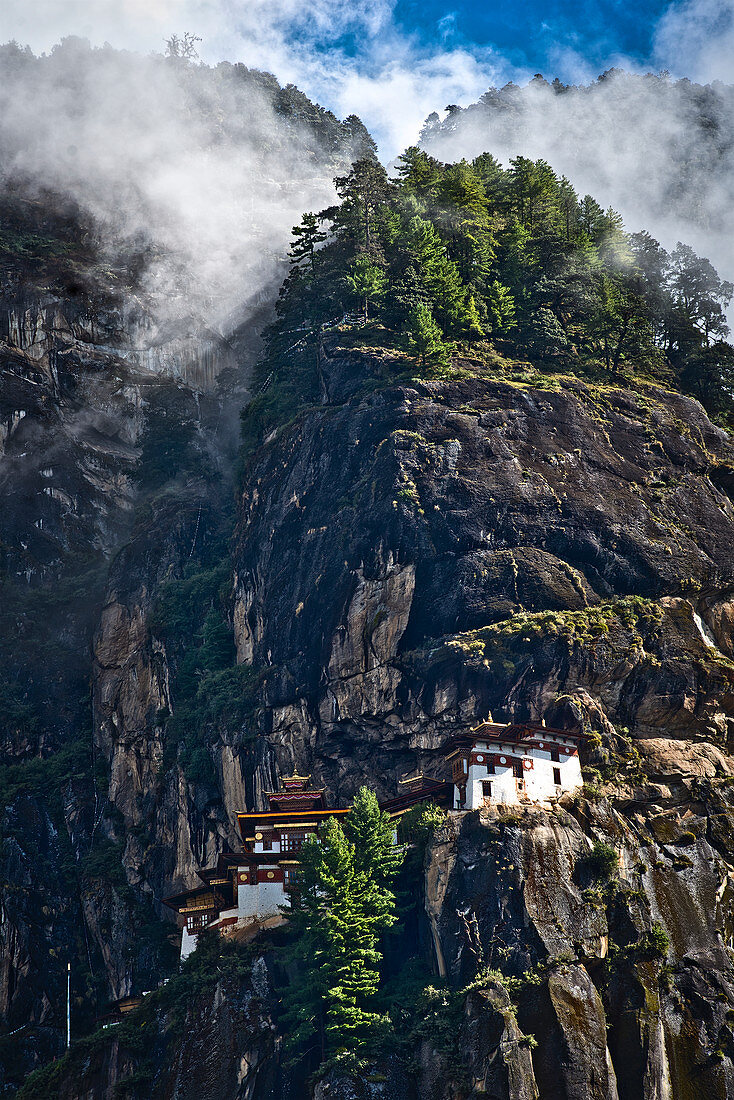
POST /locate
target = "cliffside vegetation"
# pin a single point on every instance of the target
(343, 906)
(487, 493)
(489, 264)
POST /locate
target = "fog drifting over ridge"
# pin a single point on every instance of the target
(206, 167)
(194, 163)
(660, 152)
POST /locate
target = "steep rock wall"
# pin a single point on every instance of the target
(408, 557)
(396, 552)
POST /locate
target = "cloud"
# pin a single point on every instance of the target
(193, 164)
(627, 141)
(129, 24)
(696, 39)
(351, 56)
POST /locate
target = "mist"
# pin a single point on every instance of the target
(205, 169)
(202, 163)
(659, 151)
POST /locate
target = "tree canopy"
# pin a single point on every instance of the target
(473, 256)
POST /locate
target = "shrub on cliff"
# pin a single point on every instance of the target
(602, 861)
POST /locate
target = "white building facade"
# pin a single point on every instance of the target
(513, 764)
(251, 888)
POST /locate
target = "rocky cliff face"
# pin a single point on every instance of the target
(410, 556)
(409, 559)
(97, 445)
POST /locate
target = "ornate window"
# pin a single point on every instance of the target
(196, 921)
(293, 841)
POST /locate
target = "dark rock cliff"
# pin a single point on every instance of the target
(408, 557)
(98, 447)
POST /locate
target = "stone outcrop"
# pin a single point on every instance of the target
(609, 1000)
(410, 556)
(475, 545)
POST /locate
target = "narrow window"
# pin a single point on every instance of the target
(555, 756)
(268, 843)
(557, 776)
(517, 769)
(486, 789)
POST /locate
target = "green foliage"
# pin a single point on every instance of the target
(367, 282)
(168, 449)
(466, 251)
(208, 688)
(658, 941)
(45, 632)
(32, 246)
(342, 906)
(622, 623)
(602, 861)
(418, 824)
(161, 1018)
(41, 775)
(104, 862)
(500, 308)
(426, 336)
(307, 239)
(370, 831)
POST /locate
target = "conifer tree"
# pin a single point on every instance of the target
(342, 907)
(465, 223)
(367, 281)
(439, 275)
(362, 193)
(418, 172)
(426, 336)
(308, 237)
(501, 308)
(371, 832)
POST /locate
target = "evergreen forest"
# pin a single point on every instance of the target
(466, 265)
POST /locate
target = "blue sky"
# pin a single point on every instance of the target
(533, 34)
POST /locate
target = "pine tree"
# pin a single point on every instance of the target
(362, 192)
(338, 914)
(367, 281)
(439, 276)
(465, 223)
(418, 172)
(361, 144)
(371, 832)
(700, 292)
(534, 189)
(501, 308)
(426, 336)
(308, 237)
